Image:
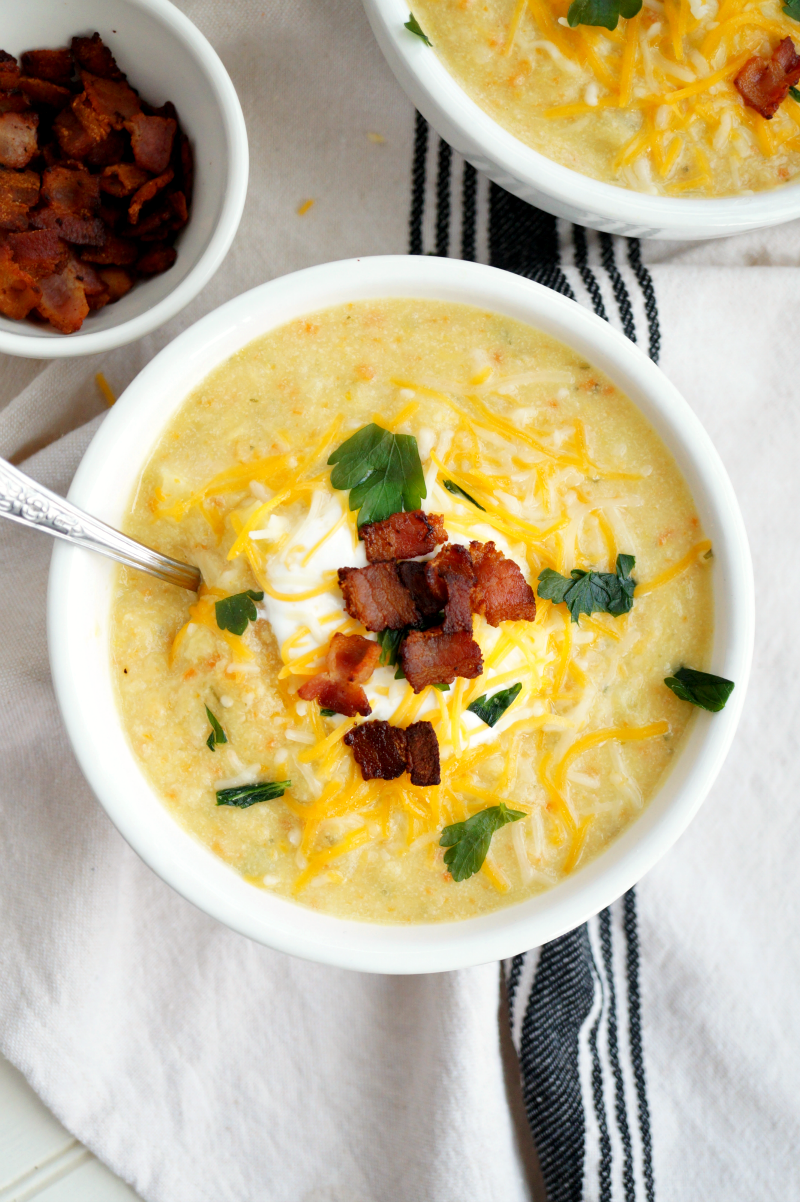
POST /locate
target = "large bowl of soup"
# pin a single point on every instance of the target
(638, 130)
(455, 534)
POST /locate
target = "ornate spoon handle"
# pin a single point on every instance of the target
(24, 501)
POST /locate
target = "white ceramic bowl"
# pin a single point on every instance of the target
(81, 587)
(166, 58)
(544, 183)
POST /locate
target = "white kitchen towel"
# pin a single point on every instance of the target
(201, 1066)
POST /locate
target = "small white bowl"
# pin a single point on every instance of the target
(166, 58)
(533, 177)
(80, 593)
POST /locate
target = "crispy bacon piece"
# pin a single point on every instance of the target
(159, 259)
(763, 83)
(379, 750)
(422, 754)
(117, 252)
(376, 597)
(412, 575)
(94, 289)
(70, 198)
(450, 577)
(19, 292)
(433, 657)
(18, 142)
(63, 302)
(403, 536)
(13, 102)
(39, 252)
(9, 71)
(501, 592)
(73, 139)
(338, 695)
(93, 55)
(53, 65)
(108, 103)
(118, 281)
(19, 190)
(41, 91)
(147, 192)
(151, 140)
(350, 662)
(82, 231)
(385, 752)
(122, 179)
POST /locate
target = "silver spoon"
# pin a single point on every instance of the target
(24, 501)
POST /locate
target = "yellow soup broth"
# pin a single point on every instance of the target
(569, 474)
(649, 105)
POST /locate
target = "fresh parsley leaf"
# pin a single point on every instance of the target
(793, 92)
(248, 795)
(442, 687)
(700, 688)
(233, 613)
(604, 12)
(591, 592)
(382, 470)
(492, 710)
(390, 641)
(329, 713)
(217, 733)
(457, 491)
(412, 24)
(792, 9)
(468, 842)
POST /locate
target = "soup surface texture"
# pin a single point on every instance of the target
(650, 105)
(521, 443)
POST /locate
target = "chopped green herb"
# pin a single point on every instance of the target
(591, 592)
(329, 713)
(457, 491)
(792, 9)
(382, 470)
(442, 687)
(603, 12)
(217, 733)
(390, 641)
(793, 92)
(700, 688)
(492, 710)
(412, 24)
(468, 842)
(248, 795)
(233, 613)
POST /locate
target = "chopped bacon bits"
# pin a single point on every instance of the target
(403, 536)
(413, 577)
(501, 592)
(451, 576)
(385, 752)
(433, 657)
(18, 143)
(19, 191)
(18, 290)
(379, 750)
(763, 83)
(151, 140)
(376, 597)
(422, 754)
(349, 663)
(117, 181)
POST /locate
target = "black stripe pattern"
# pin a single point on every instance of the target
(574, 1005)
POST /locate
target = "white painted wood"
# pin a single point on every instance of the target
(39, 1159)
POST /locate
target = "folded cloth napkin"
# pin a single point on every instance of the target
(657, 1044)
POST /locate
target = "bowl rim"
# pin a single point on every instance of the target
(440, 95)
(60, 346)
(79, 599)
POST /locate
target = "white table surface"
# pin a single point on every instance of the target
(40, 1160)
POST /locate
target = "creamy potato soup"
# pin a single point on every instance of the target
(529, 738)
(669, 102)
